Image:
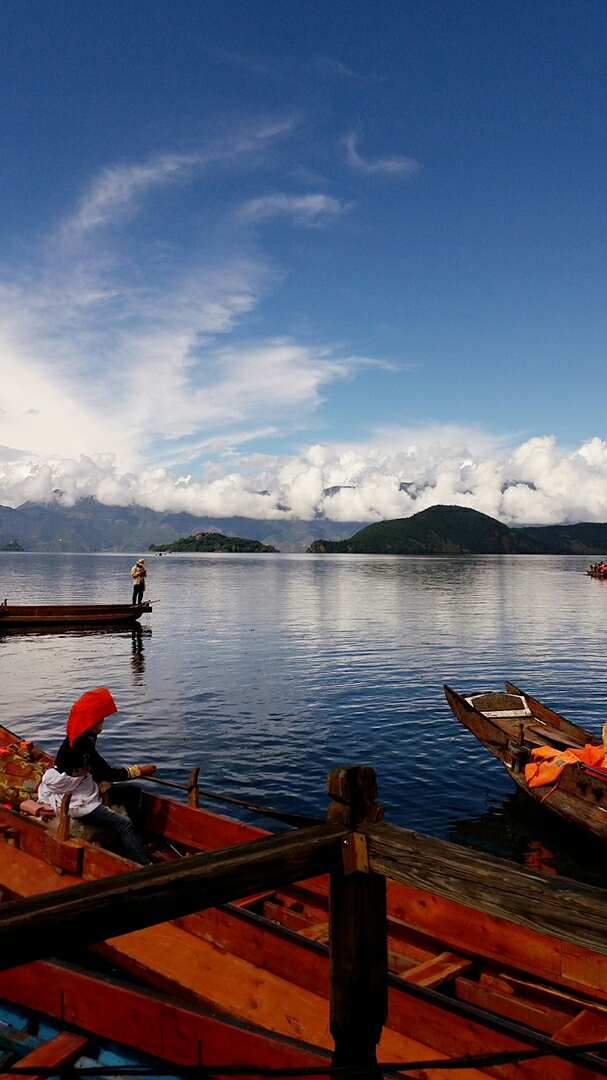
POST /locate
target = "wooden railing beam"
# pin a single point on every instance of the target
(564, 909)
(54, 922)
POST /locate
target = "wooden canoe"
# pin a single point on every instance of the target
(462, 981)
(510, 724)
(15, 616)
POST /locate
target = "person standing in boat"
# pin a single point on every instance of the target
(138, 574)
(79, 769)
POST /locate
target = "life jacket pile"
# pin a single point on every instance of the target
(548, 763)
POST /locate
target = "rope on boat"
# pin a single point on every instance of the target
(391, 1068)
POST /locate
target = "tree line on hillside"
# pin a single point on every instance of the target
(457, 530)
(212, 541)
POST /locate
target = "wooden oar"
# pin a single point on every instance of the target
(298, 821)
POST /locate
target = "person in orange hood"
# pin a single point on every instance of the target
(79, 769)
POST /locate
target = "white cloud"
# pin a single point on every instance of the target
(110, 343)
(116, 189)
(304, 209)
(395, 165)
(536, 483)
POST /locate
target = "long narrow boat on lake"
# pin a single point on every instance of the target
(462, 980)
(520, 732)
(17, 616)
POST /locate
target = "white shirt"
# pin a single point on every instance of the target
(85, 792)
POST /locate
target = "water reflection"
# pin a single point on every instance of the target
(137, 655)
(519, 828)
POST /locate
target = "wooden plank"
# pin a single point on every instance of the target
(437, 970)
(251, 938)
(60, 1050)
(193, 826)
(149, 1022)
(588, 1026)
(475, 933)
(38, 840)
(24, 875)
(557, 907)
(538, 1018)
(584, 969)
(95, 911)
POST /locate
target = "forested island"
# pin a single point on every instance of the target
(11, 546)
(213, 541)
(457, 530)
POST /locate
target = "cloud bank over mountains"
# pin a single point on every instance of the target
(536, 483)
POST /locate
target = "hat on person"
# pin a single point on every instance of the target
(92, 707)
(140, 562)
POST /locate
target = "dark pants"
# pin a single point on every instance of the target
(138, 593)
(102, 817)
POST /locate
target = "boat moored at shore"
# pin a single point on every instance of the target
(524, 735)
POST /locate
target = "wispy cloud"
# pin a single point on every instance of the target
(116, 189)
(109, 343)
(330, 65)
(395, 165)
(304, 209)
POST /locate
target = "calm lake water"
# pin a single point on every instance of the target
(269, 670)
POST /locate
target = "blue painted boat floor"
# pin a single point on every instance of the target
(22, 1031)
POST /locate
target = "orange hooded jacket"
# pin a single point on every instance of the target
(92, 707)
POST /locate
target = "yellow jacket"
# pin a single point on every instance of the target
(138, 574)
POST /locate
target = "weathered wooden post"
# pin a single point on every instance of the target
(193, 789)
(358, 949)
(63, 828)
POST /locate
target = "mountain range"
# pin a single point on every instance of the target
(440, 530)
(91, 526)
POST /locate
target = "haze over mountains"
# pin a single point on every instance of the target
(91, 526)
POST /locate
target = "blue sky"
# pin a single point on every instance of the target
(293, 246)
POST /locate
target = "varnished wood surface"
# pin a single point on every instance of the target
(118, 905)
(554, 906)
(148, 1021)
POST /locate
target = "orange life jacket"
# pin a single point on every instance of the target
(549, 763)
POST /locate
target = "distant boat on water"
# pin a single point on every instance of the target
(26, 615)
